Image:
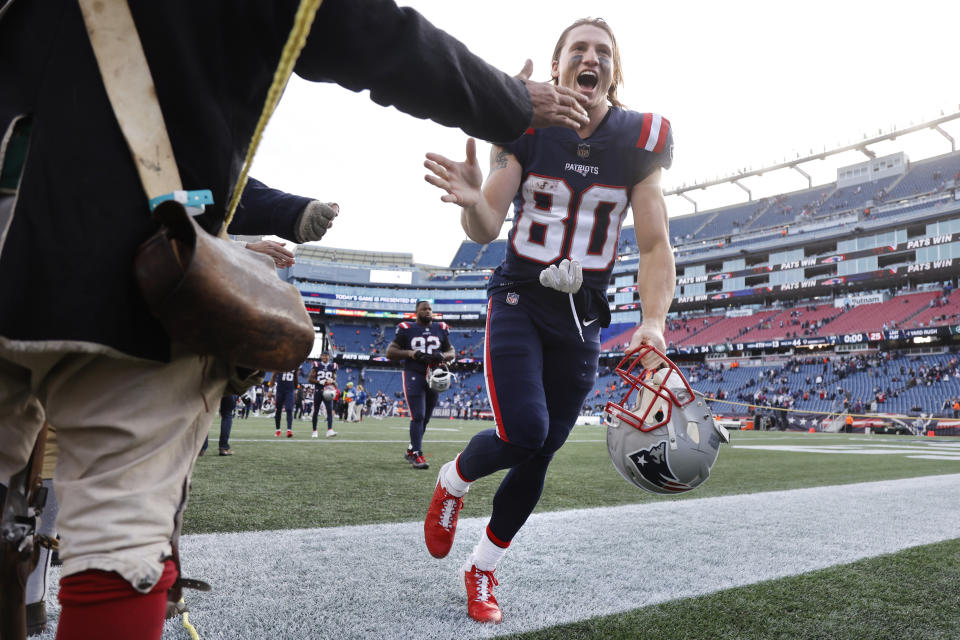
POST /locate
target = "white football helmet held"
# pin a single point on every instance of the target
(440, 379)
(665, 440)
(329, 392)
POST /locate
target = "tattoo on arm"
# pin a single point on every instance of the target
(498, 159)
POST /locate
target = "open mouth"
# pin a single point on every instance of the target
(587, 80)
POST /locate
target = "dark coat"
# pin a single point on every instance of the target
(266, 211)
(65, 265)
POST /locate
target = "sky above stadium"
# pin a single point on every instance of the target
(745, 84)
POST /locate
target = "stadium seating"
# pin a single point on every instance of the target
(855, 196)
(386, 380)
(727, 329)
(722, 221)
(466, 255)
(789, 323)
(788, 207)
(492, 254)
(943, 314)
(351, 338)
(927, 176)
(467, 342)
(910, 208)
(872, 317)
(907, 382)
(687, 326)
(471, 277)
(683, 228)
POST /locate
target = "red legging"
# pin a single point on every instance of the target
(102, 605)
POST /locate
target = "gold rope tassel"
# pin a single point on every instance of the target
(186, 622)
(302, 22)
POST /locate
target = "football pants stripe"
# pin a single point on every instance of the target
(403, 382)
(488, 376)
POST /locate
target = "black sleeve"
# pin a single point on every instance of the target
(408, 63)
(265, 211)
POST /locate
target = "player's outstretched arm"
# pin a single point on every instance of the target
(484, 210)
(657, 273)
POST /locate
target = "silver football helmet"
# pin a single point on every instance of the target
(440, 379)
(329, 392)
(666, 440)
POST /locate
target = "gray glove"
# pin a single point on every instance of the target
(315, 219)
(566, 278)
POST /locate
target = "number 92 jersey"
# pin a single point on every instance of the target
(429, 339)
(574, 193)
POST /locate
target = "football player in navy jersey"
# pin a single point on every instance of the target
(421, 345)
(285, 384)
(547, 301)
(324, 376)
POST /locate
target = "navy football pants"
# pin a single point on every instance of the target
(421, 400)
(284, 400)
(327, 404)
(538, 372)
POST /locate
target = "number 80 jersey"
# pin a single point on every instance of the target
(574, 193)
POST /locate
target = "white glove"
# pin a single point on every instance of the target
(315, 219)
(567, 277)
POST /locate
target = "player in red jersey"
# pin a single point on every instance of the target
(547, 300)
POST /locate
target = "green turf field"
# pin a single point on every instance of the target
(360, 478)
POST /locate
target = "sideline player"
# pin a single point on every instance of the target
(420, 345)
(571, 192)
(285, 384)
(322, 376)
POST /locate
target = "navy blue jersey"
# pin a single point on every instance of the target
(575, 193)
(433, 338)
(286, 381)
(325, 374)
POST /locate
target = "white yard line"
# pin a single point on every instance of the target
(378, 582)
(943, 453)
(322, 440)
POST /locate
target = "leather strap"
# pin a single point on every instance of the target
(126, 76)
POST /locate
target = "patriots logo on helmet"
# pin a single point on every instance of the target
(653, 466)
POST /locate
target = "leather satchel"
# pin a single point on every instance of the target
(209, 293)
(217, 297)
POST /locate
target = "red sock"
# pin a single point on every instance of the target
(102, 605)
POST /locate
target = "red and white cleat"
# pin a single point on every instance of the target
(289, 433)
(441, 523)
(481, 605)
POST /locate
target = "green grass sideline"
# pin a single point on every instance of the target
(910, 595)
(357, 478)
